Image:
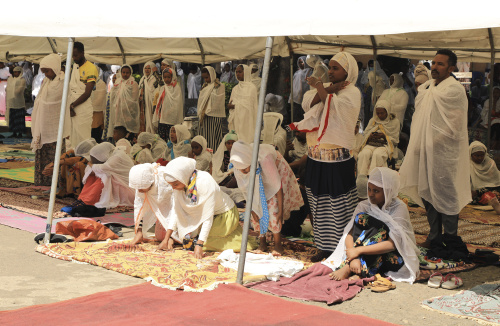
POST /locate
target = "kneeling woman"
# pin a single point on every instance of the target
(277, 192)
(201, 208)
(152, 201)
(379, 239)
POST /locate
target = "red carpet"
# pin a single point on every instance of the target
(146, 304)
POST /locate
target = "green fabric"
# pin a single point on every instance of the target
(17, 153)
(226, 233)
(24, 174)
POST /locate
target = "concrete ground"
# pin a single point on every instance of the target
(29, 278)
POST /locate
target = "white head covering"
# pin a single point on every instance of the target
(102, 152)
(146, 138)
(484, 174)
(182, 147)
(218, 157)
(180, 169)
(394, 213)
(390, 126)
(200, 140)
(169, 109)
(142, 176)
(320, 69)
(347, 61)
(208, 100)
(398, 81)
(83, 149)
(52, 61)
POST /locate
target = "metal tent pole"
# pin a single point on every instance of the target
(55, 173)
(255, 155)
(492, 72)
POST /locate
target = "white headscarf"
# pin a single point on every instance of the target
(170, 107)
(148, 84)
(203, 160)
(256, 80)
(183, 145)
(394, 214)
(156, 203)
(47, 108)
(484, 174)
(241, 158)
(158, 145)
(244, 116)
(125, 103)
(218, 158)
(15, 91)
(83, 149)
(194, 83)
(390, 127)
(336, 119)
(212, 98)
(273, 133)
(102, 152)
(300, 85)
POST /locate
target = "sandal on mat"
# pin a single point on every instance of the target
(382, 285)
(451, 282)
(435, 280)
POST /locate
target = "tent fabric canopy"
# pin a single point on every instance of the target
(116, 37)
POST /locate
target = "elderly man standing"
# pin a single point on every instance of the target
(435, 172)
(83, 80)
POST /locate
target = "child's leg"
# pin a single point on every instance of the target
(138, 237)
(342, 273)
(262, 239)
(278, 247)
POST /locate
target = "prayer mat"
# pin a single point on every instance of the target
(471, 247)
(145, 304)
(479, 234)
(172, 270)
(16, 164)
(468, 214)
(481, 303)
(22, 174)
(9, 183)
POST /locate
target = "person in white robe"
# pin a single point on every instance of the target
(125, 102)
(170, 105)
(436, 169)
(152, 148)
(4, 75)
(201, 153)
(194, 82)
(153, 201)
(256, 80)
(45, 117)
(398, 253)
(16, 106)
(381, 138)
(397, 97)
(273, 133)
(221, 172)
(179, 143)
(147, 88)
(180, 77)
(243, 105)
(484, 174)
(228, 75)
(300, 86)
(379, 82)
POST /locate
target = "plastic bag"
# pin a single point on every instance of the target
(85, 230)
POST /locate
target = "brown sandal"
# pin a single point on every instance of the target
(382, 285)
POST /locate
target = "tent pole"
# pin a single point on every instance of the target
(492, 71)
(55, 173)
(290, 51)
(201, 51)
(124, 60)
(255, 156)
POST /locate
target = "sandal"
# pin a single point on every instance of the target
(451, 282)
(435, 280)
(382, 285)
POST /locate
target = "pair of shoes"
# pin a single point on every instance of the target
(449, 282)
(381, 284)
(322, 254)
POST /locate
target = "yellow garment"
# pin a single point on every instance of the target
(226, 233)
(88, 72)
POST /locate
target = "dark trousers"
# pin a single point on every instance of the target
(96, 133)
(440, 222)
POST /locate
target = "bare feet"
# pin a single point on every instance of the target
(262, 246)
(341, 274)
(138, 238)
(278, 247)
(496, 205)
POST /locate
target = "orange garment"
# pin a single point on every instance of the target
(92, 190)
(72, 172)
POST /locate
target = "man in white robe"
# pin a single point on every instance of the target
(435, 172)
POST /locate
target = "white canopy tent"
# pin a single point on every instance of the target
(241, 30)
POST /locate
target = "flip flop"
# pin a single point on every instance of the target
(435, 280)
(451, 282)
(382, 285)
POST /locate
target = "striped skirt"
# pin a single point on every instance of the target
(331, 192)
(211, 129)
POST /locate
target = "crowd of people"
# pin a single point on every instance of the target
(126, 144)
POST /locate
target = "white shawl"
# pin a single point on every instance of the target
(99, 96)
(394, 213)
(485, 174)
(390, 127)
(81, 124)
(147, 84)
(336, 119)
(194, 84)
(203, 160)
(273, 133)
(243, 117)
(256, 80)
(300, 85)
(218, 158)
(397, 96)
(170, 107)
(47, 108)
(14, 93)
(126, 104)
(183, 145)
(436, 166)
(212, 98)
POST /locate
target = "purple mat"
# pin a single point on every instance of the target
(35, 224)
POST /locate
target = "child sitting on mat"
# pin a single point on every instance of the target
(379, 239)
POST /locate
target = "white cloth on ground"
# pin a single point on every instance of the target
(436, 167)
(394, 214)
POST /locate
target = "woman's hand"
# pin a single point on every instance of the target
(49, 168)
(166, 244)
(230, 105)
(352, 253)
(355, 266)
(190, 154)
(313, 82)
(198, 252)
(337, 87)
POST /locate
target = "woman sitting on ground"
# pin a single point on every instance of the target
(379, 239)
(179, 143)
(276, 191)
(201, 210)
(105, 182)
(201, 153)
(150, 148)
(152, 201)
(484, 176)
(220, 162)
(381, 138)
(73, 164)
